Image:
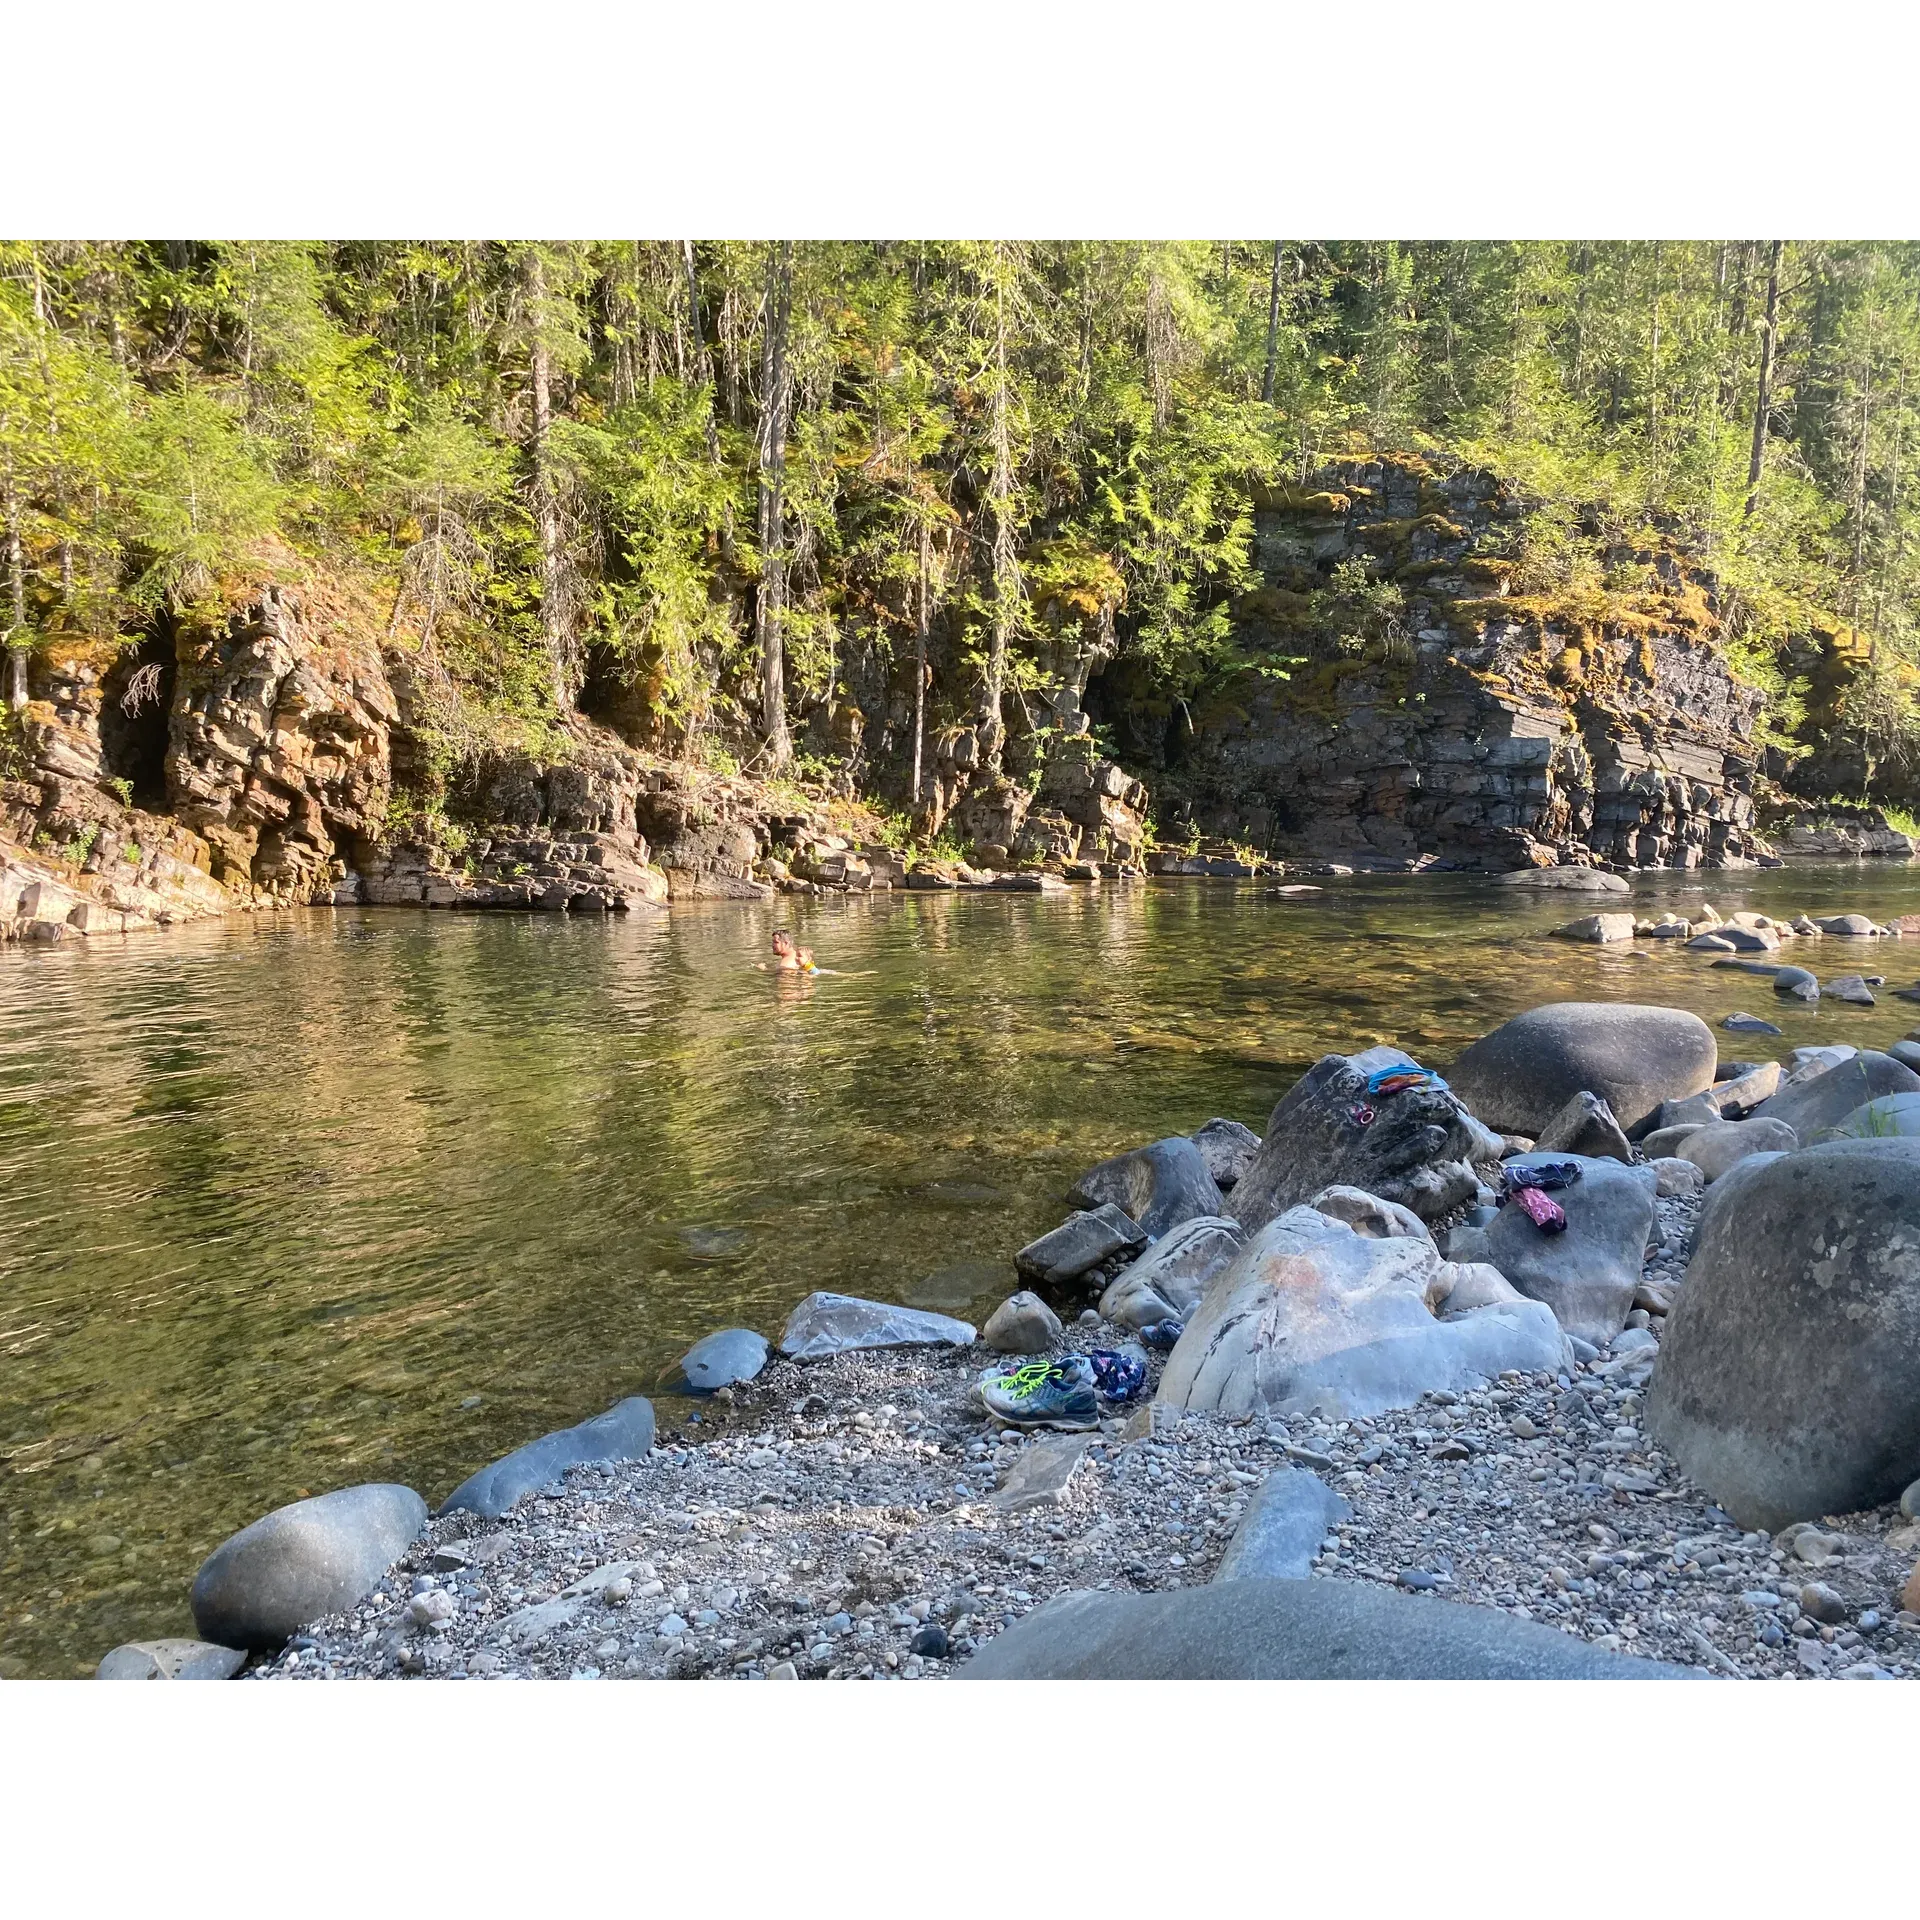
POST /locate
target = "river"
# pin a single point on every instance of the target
(292, 1201)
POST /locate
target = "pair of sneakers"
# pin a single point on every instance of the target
(1063, 1393)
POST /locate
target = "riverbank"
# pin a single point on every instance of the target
(862, 1517)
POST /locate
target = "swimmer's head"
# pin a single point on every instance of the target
(782, 942)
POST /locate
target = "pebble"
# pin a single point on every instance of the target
(1820, 1602)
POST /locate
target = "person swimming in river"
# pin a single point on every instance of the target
(788, 958)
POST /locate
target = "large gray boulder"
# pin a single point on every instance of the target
(1312, 1317)
(1226, 1146)
(1586, 1275)
(1520, 1075)
(1417, 1150)
(1810, 1105)
(1718, 1148)
(1160, 1186)
(1290, 1630)
(828, 1323)
(1169, 1280)
(623, 1432)
(1789, 1379)
(1282, 1528)
(1896, 1116)
(299, 1562)
(724, 1358)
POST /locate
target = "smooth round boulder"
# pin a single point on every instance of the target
(1291, 1630)
(1521, 1075)
(721, 1359)
(1718, 1148)
(1789, 1378)
(1894, 1117)
(1812, 1105)
(302, 1561)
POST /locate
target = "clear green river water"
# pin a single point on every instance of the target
(293, 1201)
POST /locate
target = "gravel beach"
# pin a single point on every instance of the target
(860, 1517)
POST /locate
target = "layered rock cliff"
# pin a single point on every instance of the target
(1427, 709)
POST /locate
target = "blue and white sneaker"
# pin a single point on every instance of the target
(1043, 1393)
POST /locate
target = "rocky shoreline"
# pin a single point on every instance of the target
(1357, 1361)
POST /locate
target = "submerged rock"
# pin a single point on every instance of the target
(1412, 1148)
(1159, 1186)
(623, 1432)
(1169, 1280)
(1634, 1057)
(1313, 1317)
(1787, 1384)
(1290, 1630)
(301, 1561)
(1565, 880)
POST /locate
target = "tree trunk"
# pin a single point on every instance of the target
(1000, 497)
(922, 622)
(1273, 329)
(1763, 397)
(771, 607)
(17, 643)
(546, 506)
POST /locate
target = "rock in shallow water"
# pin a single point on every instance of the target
(721, 1359)
(314, 1557)
(1159, 1186)
(1078, 1245)
(1290, 1630)
(171, 1660)
(623, 1432)
(827, 1323)
(1787, 1384)
(1634, 1057)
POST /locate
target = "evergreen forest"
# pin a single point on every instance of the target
(693, 479)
